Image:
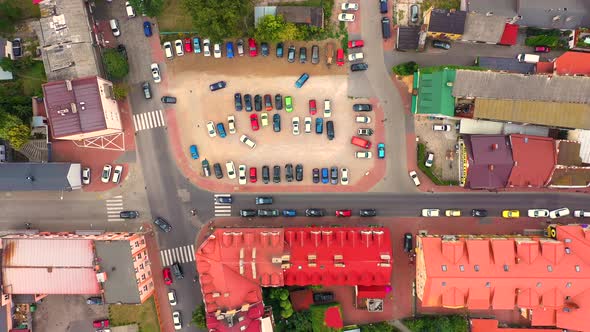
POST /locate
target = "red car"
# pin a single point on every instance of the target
(100, 323)
(188, 45)
(542, 49)
(356, 43)
(253, 175)
(252, 47)
(340, 57)
(254, 122)
(343, 213)
(312, 107)
(167, 276)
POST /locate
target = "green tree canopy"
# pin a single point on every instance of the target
(9, 15)
(199, 317)
(151, 8)
(219, 19)
(273, 28)
(406, 68)
(115, 63)
(19, 135)
(377, 327)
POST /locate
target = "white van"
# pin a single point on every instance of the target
(528, 58)
(115, 27)
(129, 9)
(581, 214)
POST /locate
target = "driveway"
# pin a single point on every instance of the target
(67, 313)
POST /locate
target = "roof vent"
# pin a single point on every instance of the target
(69, 85)
(82, 105)
(74, 108)
(495, 146)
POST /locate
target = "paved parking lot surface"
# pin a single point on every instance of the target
(442, 144)
(67, 313)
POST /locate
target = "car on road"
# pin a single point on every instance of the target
(441, 44)
(196, 45)
(178, 47)
(86, 175)
(319, 125)
(430, 213)
(264, 49)
(289, 213)
(510, 214)
(167, 276)
(268, 102)
(268, 212)
(276, 123)
(147, 29)
(538, 213)
(240, 47)
(343, 213)
(349, 6)
(242, 174)
(231, 123)
(312, 107)
(355, 56)
(194, 152)
(291, 54)
(542, 49)
(381, 150)
(367, 212)
(248, 213)
(302, 54)
(229, 50)
(96, 300)
(315, 212)
(258, 103)
(252, 48)
(168, 50)
(307, 124)
(168, 100)
(334, 175)
(265, 174)
(253, 175)
(479, 213)
(340, 57)
(280, 50)
(128, 214)
(162, 224)
(344, 176)
(363, 154)
(359, 67)
(248, 102)
(99, 323)
(385, 27)
(263, 200)
(327, 108)
(156, 72)
(217, 170)
(172, 297)
(147, 90)
(365, 132)
(581, 214)
(106, 173)
(299, 172)
(429, 159)
(558, 213)
(211, 129)
(356, 43)
(315, 54)
(276, 174)
(225, 199)
(289, 172)
(230, 169)
(453, 213)
(345, 17)
(278, 102)
(408, 242)
(206, 47)
(362, 119)
(316, 175)
(177, 320)
(217, 51)
(188, 45)
(217, 86)
(254, 122)
(301, 80)
(414, 177)
(441, 127)
(295, 123)
(221, 130)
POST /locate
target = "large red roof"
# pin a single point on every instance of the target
(534, 159)
(572, 63)
(510, 35)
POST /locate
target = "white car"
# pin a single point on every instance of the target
(117, 173)
(538, 213)
(327, 108)
(307, 123)
(344, 17)
(172, 297)
(581, 214)
(231, 169)
(129, 9)
(362, 119)
(242, 174)
(211, 129)
(264, 119)
(363, 154)
(561, 212)
(349, 6)
(344, 176)
(429, 159)
(156, 73)
(430, 212)
(246, 140)
(86, 175)
(356, 56)
(168, 50)
(414, 177)
(231, 123)
(206, 47)
(295, 123)
(217, 51)
(106, 173)
(441, 127)
(178, 47)
(177, 320)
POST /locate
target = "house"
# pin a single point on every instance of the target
(408, 38)
(433, 92)
(40, 176)
(445, 24)
(485, 161)
(68, 42)
(534, 161)
(572, 64)
(5, 52)
(544, 278)
(81, 108)
(312, 16)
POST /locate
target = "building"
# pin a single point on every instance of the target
(408, 38)
(69, 45)
(483, 28)
(434, 92)
(306, 15)
(234, 263)
(40, 176)
(485, 161)
(511, 65)
(534, 161)
(445, 24)
(572, 64)
(544, 278)
(81, 108)
(5, 52)
(570, 170)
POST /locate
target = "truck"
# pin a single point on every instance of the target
(528, 58)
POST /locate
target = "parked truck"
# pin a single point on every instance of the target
(528, 58)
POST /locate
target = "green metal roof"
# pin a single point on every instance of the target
(434, 93)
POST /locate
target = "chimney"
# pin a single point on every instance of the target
(494, 146)
(491, 167)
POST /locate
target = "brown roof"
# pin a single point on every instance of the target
(74, 110)
(568, 153)
(302, 15)
(534, 159)
(490, 161)
(570, 177)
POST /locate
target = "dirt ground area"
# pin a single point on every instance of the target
(191, 76)
(67, 313)
(442, 144)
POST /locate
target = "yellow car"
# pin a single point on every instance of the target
(453, 213)
(510, 214)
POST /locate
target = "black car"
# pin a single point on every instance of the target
(289, 172)
(258, 103)
(248, 102)
(359, 66)
(276, 123)
(168, 100)
(162, 224)
(217, 86)
(224, 199)
(268, 102)
(302, 54)
(316, 175)
(299, 172)
(334, 175)
(479, 213)
(264, 49)
(315, 212)
(368, 213)
(276, 174)
(279, 102)
(128, 214)
(441, 44)
(177, 270)
(330, 129)
(383, 6)
(122, 50)
(265, 174)
(291, 54)
(315, 54)
(238, 101)
(217, 170)
(408, 242)
(280, 50)
(268, 213)
(263, 200)
(323, 297)
(248, 213)
(147, 90)
(386, 27)
(362, 107)
(17, 47)
(94, 300)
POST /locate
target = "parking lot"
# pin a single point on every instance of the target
(441, 144)
(190, 76)
(67, 313)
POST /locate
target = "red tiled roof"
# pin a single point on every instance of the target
(491, 325)
(510, 34)
(534, 159)
(544, 67)
(301, 299)
(489, 160)
(573, 63)
(371, 292)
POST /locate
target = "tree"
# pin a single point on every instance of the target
(120, 91)
(115, 63)
(273, 28)
(199, 317)
(406, 68)
(9, 15)
(298, 322)
(219, 19)
(377, 327)
(151, 8)
(19, 135)
(7, 64)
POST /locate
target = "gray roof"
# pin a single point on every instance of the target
(495, 85)
(39, 176)
(407, 37)
(115, 260)
(302, 15)
(506, 64)
(503, 8)
(482, 28)
(442, 20)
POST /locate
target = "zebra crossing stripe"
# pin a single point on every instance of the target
(179, 255)
(148, 120)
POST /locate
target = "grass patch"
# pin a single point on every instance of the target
(324, 315)
(28, 9)
(32, 79)
(440, 4)
(174, 18)
(428, 170)
(144, 315)
(454, 323)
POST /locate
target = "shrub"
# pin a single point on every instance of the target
(406, 68)
(542, 40)
(116, 64)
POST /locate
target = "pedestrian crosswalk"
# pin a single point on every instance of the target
(222, 205)
(148, 120)
(181, 255)
(114, 205)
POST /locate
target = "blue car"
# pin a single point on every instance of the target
(302, 79)
(319, 125)
(229, 47)
(381, 150)
(194, 152)
(289, 213)
(147, 29)
(196, 45)
(325, 175)
(221, 130)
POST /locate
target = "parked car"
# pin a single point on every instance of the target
(229, 50)
(264, 49)
(248, 213)
(123, 51)
(343, 213)
(441, 44)
(258, 103)
(316, 175)
(538, 213)
(315, 212)
(96, 300)
(295, 123)
(362, 119)
(385, 27)
(429, 159)
(106, 173)
(253, 49)
(430, 213)
(263, 200)
(167, 275)
(288, 104)
(147, 29)
(319, 125)
(264, 119)
(356, 43)
(99, 323)
(265, 174)
(246, 140)
(86, 175)
(414, 177)
(345, 17)
(156, 72)
(168, 50)
(312, 107)
(542, 49)
(238, 101)
(211, 129)
(218, 171)
(307, 124)
(276, 123)
(558, 213)
(414, 11)
(289, 172)
(162, 224)
(196, 45)
(168, 100)
(178, 47)
(278, 102)
(217, 86)
(441, 127)
(315, 54)
(188, 45)
(177, 320)
(242, 174)
(325, 175)
(268, 102)
(231, 123)
(268, 212)
(217, 51)
(248, 102)
(408, 242)
(509, 214)
(302, 55)
(360, 142)
(334, 175)
(365, 132)
(276, 174)
(231, 169)
(363, 154)
(206, 168)
(147, 90)
(355, 56)
(330, 129)
(359, 66)
(349, 6)
(291, 54)
(128, 214)
(194, 152)
(129, 9)
(206, 47)
(280, 50)
(368, 213)
(221, 130)
(172, 297)
(453, 213)
(581, 214)
(240, 47)
(381, 150)
(327, 108)
(114, 25)
(362, 107)
(340, 57)
(479, 213)
(299, 172)
(253, 175)
(344, 176)
(289, 213)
